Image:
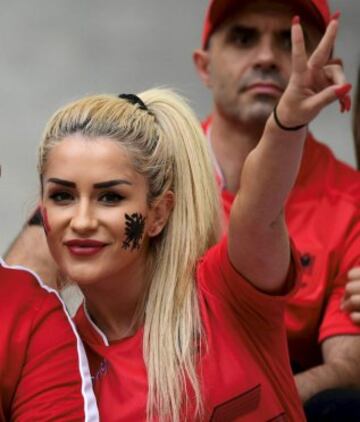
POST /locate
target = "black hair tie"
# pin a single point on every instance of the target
(134, 99)
(281, 126)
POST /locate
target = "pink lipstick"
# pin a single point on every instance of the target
(84, 247)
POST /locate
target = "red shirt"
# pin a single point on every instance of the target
(44, 375)
(323, 219)
(245, 372)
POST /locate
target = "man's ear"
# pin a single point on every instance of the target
(201, 62)
(159, 213)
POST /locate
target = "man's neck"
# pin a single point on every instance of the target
(231, 143)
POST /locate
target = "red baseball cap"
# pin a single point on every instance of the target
(219, 10)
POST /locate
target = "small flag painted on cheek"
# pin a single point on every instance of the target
(134, 231)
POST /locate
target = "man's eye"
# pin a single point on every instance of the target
(285, 40)
(61, 197)
(242, 37)
(110, 198)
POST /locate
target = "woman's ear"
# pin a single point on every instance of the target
(159, 213)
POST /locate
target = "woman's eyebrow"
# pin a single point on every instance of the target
(110, 183)
(61, 182)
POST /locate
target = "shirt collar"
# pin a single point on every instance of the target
(308, 160)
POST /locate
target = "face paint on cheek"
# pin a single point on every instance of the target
(134, 230)
(45, 221)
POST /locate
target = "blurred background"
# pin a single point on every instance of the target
(54, 51)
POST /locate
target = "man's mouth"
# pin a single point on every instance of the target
(264, 88)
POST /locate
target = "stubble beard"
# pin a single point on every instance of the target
(251, 116)
(245, 109)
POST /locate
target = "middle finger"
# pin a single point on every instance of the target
(322, 53)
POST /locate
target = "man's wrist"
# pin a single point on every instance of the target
(285, 127)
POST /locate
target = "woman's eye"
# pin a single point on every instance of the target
(110, 198)
(61, 197)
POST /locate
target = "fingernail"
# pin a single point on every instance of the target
(342, 106)
(336, 61)
(347, 103)
(336, 15)
(295, 20)
(342, 90)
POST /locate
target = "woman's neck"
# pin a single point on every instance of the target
(116, 305)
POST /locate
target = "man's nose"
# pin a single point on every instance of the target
(84, 219)
(266, 55)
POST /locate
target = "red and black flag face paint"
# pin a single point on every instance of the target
(134, 231)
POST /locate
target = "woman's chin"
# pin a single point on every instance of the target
(82, 276)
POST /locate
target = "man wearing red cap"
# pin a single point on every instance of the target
(245, 61)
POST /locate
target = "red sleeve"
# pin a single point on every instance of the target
(55, 383)
(219, 278)
(335, 321)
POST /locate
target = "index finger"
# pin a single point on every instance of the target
(322, 53)
(298, 50)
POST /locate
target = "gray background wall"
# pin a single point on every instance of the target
(54, 51)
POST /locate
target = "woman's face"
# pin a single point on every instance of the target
(95, 210)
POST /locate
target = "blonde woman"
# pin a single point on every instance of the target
(177, 324)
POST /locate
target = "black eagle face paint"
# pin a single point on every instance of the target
(134, 231)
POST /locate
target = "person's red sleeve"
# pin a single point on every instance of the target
(217, 275)
(55, 382)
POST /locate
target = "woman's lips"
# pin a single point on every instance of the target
(84, 247)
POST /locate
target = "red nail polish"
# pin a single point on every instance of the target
(347, 103)
(342, 106)
(343, 90)
(336, 15)
(295, 20)
(336, 60)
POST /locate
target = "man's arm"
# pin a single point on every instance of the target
(341, 367)
(258, 243)
(30, 250)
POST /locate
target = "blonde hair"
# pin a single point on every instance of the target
(167, 146)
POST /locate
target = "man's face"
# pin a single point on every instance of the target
(249, 60)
